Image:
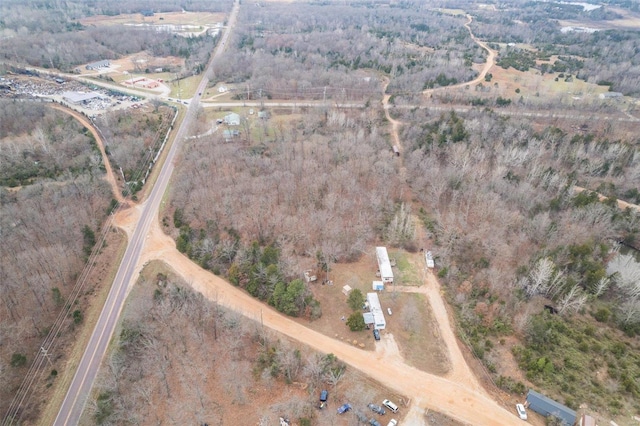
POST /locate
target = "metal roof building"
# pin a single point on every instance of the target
(386, 274)
(548, 407)
(97, 65)
(80, 97)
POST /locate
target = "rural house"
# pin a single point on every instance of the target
(232, 119)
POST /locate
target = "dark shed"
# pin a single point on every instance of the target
(548, 407)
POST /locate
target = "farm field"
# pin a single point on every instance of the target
(197, 21)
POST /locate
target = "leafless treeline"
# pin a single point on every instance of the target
(294, 48)
(133, 137)
(41, 227)
(324, 184)
(216, 360)
(503, 198)
(40, 143)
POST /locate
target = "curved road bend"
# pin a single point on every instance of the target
(467, 403)
(74, 401)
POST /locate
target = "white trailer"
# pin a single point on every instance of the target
(384, 265)
(375, 309)
(429, 258)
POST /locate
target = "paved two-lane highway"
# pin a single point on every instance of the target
(73, 404)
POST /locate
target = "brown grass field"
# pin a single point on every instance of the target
(205, 19)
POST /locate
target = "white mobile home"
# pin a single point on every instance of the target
(386, 274)
(379, 322)
(429, 258)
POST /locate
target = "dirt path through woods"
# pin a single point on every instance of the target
(109, 176)
(490, 62)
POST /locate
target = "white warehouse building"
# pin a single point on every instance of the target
(375, 309)
(384, 265)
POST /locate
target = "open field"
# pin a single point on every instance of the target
(185, 88)
(195, 19)
(454, 12)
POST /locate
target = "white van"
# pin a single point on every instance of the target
(390, 405)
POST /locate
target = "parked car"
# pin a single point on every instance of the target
(393, 422)
(323, 398)
(390, 405)
(376, 334)
(344, 408)
(361, 416)
(377, 409)
(374, 422)
(389, 310)
(522, 413)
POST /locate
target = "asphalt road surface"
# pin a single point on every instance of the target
(73, 404)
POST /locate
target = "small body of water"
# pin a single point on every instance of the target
(578, 30)
(587, 7)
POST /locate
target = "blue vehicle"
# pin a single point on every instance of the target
(344, 408)
(324, 395)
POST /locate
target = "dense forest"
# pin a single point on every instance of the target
(53, 203)
(344, 48)
(496, 195)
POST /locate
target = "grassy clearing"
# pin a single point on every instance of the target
(417, 336)
(168, 18)
(406, 268)
(185, 88)
(454, 12)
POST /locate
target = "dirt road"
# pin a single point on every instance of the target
(458, 396)
(109, 177)
(395, 124)
(460, 371)
(621, 203)
(491, 58)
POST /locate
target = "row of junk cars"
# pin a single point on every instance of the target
(378, 409)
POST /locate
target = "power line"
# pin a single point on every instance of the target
(37, 369)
